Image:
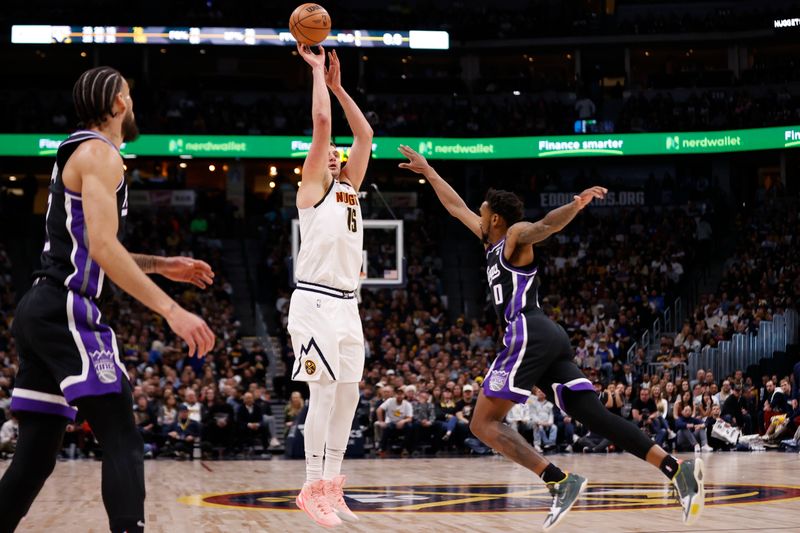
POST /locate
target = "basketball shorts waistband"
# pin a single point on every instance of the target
(52, 282)
(324, 289)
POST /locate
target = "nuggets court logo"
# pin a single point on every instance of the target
(310, 367)
(502, 498)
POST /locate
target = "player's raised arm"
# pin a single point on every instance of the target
(357, 162)
(99, 167)
(523, 233)
(450, 199)
(315, 167)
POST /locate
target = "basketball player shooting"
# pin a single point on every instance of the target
(324, 323)
(68, 357)
(537, 351)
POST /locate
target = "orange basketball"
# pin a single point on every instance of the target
(310, 24)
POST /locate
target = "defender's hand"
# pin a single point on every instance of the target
(187, 270)
(193, 330)
(416, 162)
(586, 197)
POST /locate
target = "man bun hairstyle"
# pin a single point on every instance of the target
(94, 93)
(506, 204)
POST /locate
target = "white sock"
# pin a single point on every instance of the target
(333, 463)
(313, 468)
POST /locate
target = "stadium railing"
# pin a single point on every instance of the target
(748, 349)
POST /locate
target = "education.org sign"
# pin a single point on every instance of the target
(293, 147)
(612, 199)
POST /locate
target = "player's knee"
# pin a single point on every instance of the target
(479, 427)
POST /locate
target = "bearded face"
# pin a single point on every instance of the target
(130, 131)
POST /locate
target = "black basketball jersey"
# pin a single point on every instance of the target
(514, 290)
(65, 257)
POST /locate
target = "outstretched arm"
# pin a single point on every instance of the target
(524, 233)
(357, 162)
(450, 199)
(315, 167)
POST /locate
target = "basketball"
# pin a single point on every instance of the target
(310, 24)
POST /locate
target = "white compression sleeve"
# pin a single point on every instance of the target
(321, 399)
(341, 421)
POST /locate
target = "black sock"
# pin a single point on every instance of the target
(553, 474)
(669, 466)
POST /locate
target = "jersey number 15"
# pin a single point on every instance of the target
(352, 219)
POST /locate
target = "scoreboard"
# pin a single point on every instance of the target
(209, 36)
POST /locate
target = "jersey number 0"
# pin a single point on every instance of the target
(497, 290)
(352, 219)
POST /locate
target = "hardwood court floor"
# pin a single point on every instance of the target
(746, 492)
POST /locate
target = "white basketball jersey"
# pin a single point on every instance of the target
(332, 240)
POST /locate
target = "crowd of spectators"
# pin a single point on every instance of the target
(446, 115)
(220, 404)
(759, 281)
(709, 110)
(604, 281)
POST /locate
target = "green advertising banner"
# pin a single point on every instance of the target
(287, 147)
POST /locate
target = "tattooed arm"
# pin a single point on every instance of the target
(524, 233)
(148, 263)
(178, 268)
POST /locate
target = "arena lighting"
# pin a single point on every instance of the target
(183, 165)
(273, 170)
(212, 168)
(297, 170)
(271, 184)
(12, 178)
(299, 183)
(210, 36)
(422, 181)
(516, 93)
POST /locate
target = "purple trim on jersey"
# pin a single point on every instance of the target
(39, 406)
(498, 381)
(86, 279)
(511, 341)
(581, 385)
(511, 268)
(103, 375)
(495, 245)
(519, 292)
(505, 394)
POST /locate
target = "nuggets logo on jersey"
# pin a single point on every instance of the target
(347, 198)
(311, 367)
